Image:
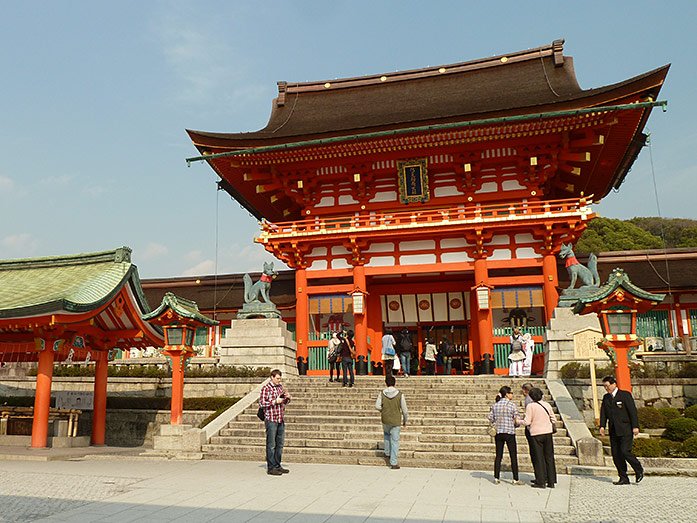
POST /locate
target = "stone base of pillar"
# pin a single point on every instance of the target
(260, 342)
(559, 339)
(361, 366)
(179, 441)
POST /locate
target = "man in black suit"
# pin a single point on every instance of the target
(619, 409)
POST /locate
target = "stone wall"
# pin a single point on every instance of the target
(647, 392)
(135, 428)
(145, 387)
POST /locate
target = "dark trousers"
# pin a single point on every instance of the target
(275, 435)
(430, 367)
(509, 441)
(347, 367)
(543, 463)
(388, 365)
(531, 445)
(336, 365)
(622, 454)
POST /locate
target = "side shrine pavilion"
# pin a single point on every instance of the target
(435, 199)
(65, 308)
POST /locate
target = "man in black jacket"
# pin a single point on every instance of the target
(620, 411)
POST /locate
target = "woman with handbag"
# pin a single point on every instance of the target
(539, 417)
(504, 416)
(388, 351)
(333, 350)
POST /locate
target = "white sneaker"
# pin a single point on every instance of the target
(516, 482)
(497, 481)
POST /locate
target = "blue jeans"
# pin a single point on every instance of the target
(405, 361)
(391, 434)
(447, 365)
(347, 368)
(275, 434)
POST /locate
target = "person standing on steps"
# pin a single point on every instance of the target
(619, 411)
(446, 349)
(348, 353)
(388, 351)
(504, 416)
(333, 350)
(394, 414)
(273, 398)
(405, 346)
(430, 356)
(539, 417)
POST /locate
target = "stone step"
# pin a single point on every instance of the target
(305, 454)
(367, 443)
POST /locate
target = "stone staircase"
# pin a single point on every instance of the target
(328, 423)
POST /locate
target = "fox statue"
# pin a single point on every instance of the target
(253, 291)
(589, 275)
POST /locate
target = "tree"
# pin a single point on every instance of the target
(607, 234)
(678, 232)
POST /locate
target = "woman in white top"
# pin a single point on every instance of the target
(430, 356)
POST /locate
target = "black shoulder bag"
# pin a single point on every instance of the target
(552, 421)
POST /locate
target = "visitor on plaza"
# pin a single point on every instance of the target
(394, 414)
(348, 354)
(527, 400)
(273, 398)
(446, 350)
(404, 350)
(539, 418)
(517, 355)
(333, 350)
(619, 412)
(505, 418)
(430, 353)
(388, 351)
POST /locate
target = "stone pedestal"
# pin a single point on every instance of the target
(559, 338)
(260, 342)
(181, 441)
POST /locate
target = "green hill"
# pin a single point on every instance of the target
(608, 234)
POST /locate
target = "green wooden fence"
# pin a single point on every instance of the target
(317, 359)
(502, 350)
(653, 323)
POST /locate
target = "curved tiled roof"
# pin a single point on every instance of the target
(75, 283)
(535, 80)
(181, 306)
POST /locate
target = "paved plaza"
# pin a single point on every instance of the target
(125, 489)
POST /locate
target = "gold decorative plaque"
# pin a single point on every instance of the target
(413, 181)
(586, 344)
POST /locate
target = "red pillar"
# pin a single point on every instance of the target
(100, 390)
(302, 311)
(374, 328)
(360, 322)
(549, 286)
(484, 317)
(177, 408)
(42, 400)
(622, 375)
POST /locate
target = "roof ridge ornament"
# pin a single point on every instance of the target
(558, 52)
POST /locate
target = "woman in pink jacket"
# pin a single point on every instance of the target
(539, 417)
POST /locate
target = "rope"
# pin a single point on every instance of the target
(663, 233)
(544, 69)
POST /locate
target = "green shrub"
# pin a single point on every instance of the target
(211, 417)
(680, 429)
(20, 401)
(650, 418)
(648, 448)
(691, 412)
(671, 449)
(688, 370)
(669, 413)
(131, 402)
(689, 447)
(570, 370)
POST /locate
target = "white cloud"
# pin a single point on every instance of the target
(153, 250)
(193, 256)
(93, 191)
(203, 268)
(6, 184)
(55, 181)
(21, 245)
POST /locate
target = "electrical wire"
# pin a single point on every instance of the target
(663, 233)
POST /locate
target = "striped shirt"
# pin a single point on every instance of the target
(267, 400)
(504, 415)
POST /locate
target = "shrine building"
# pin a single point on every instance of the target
(434, 200)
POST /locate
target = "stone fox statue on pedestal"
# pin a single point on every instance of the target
(252, 291)
(589, 275)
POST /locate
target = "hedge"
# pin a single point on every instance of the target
(650, 418)
(154, 371)
(648, 448)
(669, 413)
(689, 447)
(691, 412)
(137, 403)
(680, 429)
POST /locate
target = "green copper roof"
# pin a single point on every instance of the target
(618, 278)
(74, 283)
(182, 307)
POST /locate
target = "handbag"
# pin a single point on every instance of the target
(261, 414)
(552, 421)
(389, 351)
(491, 430)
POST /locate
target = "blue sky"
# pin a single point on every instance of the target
(96, 96)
